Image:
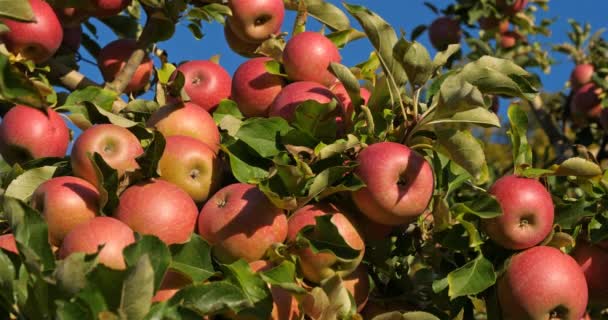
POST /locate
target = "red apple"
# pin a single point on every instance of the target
(284, 306)
(159, 208)
(8, 243)
(593, 260)
(244, 48)
(72, 38)
(443, 32)
(586, 102)
(256, 20)
(509, 39)
(28, 133)
(116, 145)
(348, 109)
(65, 202)
(171, 284)
(357, 283)
(542, 283)
(510, 7)
(318, 266)
(109, 232)
(112, 59)
(240, 222)
(527, 213)
(38, 40)
(490, 23)
(190, 165)
(296, 93)
(108, 8)
(581, 75)
(207, 83)
(399, 183)
(307, 56)
(187, 119)
(254, 89)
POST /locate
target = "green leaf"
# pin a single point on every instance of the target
(211, 298)
(104, 287)
(334, 179)
(71, 272)
(317, 119)
(442, 57)
(343, 37)
(569, 213)
(254, 288)
(137, 290)
(246, 166)
(15, 87)
(325, 12)
(465, 150)
(7, 277)
(283, 276)
(261, 134)
(107, 178)
(350, 82)
(522, 151)
(25, 184)
(324, 236)
(124, 26)
(17, 10)
(578, 167)
(225, 108)
(193, 259)
(474, 236)
(415, 60)
(157, 253)
(339, 147)
(100, 97)
(484, 206)
(148, 161)
(274, 67)
(472, 278)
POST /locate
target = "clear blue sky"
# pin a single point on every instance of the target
(402, 14)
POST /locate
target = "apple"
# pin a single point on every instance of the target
(307, 56)
(318, 266)
(255, 20)
(88, 236)
(65, 202)
(186, 119)
(112, 59)
(443, 32)
(172, 282)
(190, 165)
(240, 222)
(158, 208)
(72, 38)
(254, 89)
(38, 40)
(357, 283)
(347, 105)
(294, 94)
(284, 306)
(116, 145)
(399, 183)
(28, 133)
(541, 283)
(491, 23)
(242, 47)
(207, 83)
(586, 102)
(510, 7)
(370, 230)
(509, 39)
(108, 8)
(527, 213)
(581, 75)
(8, 243)
(593, 260)
(71, 17)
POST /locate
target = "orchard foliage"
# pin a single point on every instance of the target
(443, 107)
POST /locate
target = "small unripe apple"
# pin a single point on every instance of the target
(158, 208)
(307, 57)
(399, 183)
(318, 266)
(186, 119)
(586, 102)
(254, 89)
(296, 93)
(207, 83)
(113, 58)
(527, 213)
(28, 133)
(509, 39)
(581, 75)
(8, 243)
(116, 145)
(510, 7)
(284, 306)
(357, 283)
(256, 20)
(443, 32)
(593, 260)
(542, 283)
(88, 236)
(240, 222)
(108, 8)
(190, 165)
(244, 48)
(65, 202)
(38, 40)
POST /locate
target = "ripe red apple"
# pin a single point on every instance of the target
(284, 306)
(581, 75)
(65, 202)
(187, 119)
(347, 105)
(542, 283)
(108, 8)
(527, 213)
(586, 102)
(207, 83)
(318, 266)
(254, 89)
(509, 39)
(443, 32)
(256, 20)
(296, 93)
(38, 40)
(171, 284)
(28, 133)
(190, 165)
(244, 48)
(593, 260)
(510, 7)
(72, 38)
(88, 236)
(8, 243)
(357, 283)
(240, 222)
(159, 208)
(117, 146)
(307, 56)
(399, 183)
(112, 59)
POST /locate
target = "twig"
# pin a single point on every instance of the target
(557, 139)
(68, 77)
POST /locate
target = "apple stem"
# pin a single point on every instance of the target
(68, 77)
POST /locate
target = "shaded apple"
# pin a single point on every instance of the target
(244, 48)
(113, 58)
(28, 133)
(444, 31)
(186, 119)
(116, 145)
(296, 93)
(38, 40)
(158, 208)
(72, 38)
(347, 105)
(399, 183)
(493, 23)
(593, 260)
(284, 306)
(581, 75)
(207, 83)
(307, 57)
(586, 102)
(8, 243)
(65, 202)
(510, 7)
(358, 284)
(70, 16)
(254, 89)
(255, 20)
(172, 282)
(240, 222)
(108, 8)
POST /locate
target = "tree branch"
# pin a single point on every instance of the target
(68, 77)
(557, 139)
